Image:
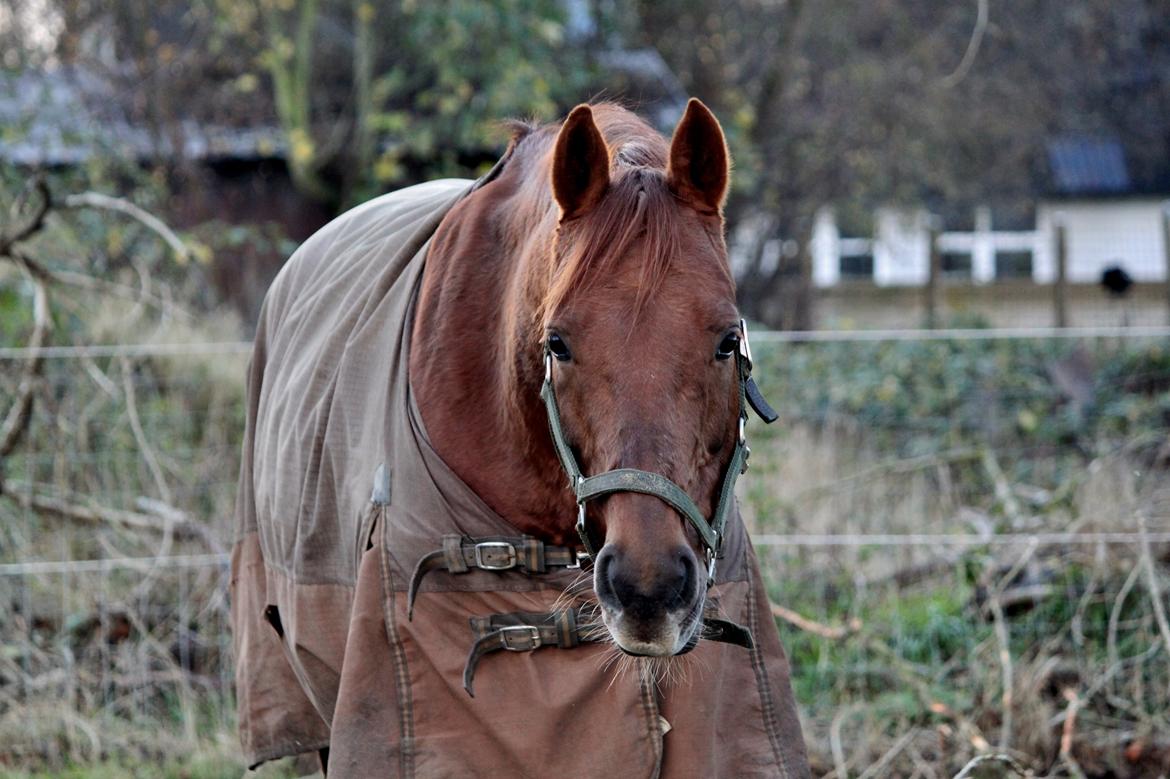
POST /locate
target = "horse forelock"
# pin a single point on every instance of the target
(639, 211)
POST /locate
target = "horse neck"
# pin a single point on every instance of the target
(475, 363)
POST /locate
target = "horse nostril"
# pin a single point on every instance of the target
(604, 566)
(665, 585)
(687, 589)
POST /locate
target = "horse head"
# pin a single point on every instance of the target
(642, 342)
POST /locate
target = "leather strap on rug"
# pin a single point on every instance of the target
(495, 553)
(524, 632)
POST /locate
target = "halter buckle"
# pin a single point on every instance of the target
(547, 367)
(745, 348)
(492, 565)
(579, 560)
(742, 430)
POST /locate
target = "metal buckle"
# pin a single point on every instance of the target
(742, 430)
(547, 367)
(710, 567)
(581, 559)
(745, 348)
(504, 545)
(533, 636)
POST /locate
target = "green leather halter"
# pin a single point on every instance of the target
(632, 480)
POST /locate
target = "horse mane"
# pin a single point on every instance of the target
(638, 206)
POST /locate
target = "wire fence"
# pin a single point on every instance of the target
(960, 529)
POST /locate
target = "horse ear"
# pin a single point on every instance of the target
(580, 169)
(699, 161)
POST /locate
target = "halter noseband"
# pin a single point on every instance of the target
(648, 483)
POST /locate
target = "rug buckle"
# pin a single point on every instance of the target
(532, 634)
(493, 564)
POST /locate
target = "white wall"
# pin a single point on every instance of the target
(901, 249)
(826, 249)
(1101, 233)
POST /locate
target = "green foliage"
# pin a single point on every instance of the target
(419, 95)
(923, 397)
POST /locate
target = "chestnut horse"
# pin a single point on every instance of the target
(579, 380)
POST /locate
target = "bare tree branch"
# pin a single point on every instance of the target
(809, 626)
(19, 416)
(108, 203)
(964, 66)
(49, 502)
(35, 223)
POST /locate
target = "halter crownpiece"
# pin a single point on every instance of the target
(586, 488)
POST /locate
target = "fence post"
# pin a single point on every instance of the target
(982, 248)
(1060, 285)
(1166, 252)
(802, 314)
(934, 276)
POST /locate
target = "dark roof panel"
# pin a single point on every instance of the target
(1082, 165)
(69, 115)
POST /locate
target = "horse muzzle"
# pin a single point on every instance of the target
(652, 609)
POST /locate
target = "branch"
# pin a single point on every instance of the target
(809, 626)
(1066, 735)
(1152, 582)
(108, 203)
(34, 224)
(1005, 760)
(1007, 698)
(29, 497)
(20, 415)
(960, 72)
(17, 420)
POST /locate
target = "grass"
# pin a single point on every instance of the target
(920, 684)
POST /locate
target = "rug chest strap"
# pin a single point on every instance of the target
(460, 554)
(523, 632)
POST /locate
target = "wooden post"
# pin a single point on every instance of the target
(934, 277)
(1166, 252)
(1060, 285)
(802, 315)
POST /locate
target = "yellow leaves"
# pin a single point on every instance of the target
(1027, 420)
(388, 168)
(744, 118)
(115, 241)
(300, 146)
(202, 253)
(551, 31)
(246, 83)
(365, 13)
(241, 16)
(282, 48)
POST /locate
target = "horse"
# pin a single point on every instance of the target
(509, 415)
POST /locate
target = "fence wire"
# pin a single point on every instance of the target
(959, 529)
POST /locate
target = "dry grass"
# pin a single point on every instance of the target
(1050, 655)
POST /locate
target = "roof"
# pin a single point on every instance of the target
(1082, 165)
(69, 115)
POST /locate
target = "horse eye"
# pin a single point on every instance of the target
(727, 346)
(558, 347)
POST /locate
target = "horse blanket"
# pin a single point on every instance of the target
(341, 495)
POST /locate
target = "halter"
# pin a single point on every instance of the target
(585, 488)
